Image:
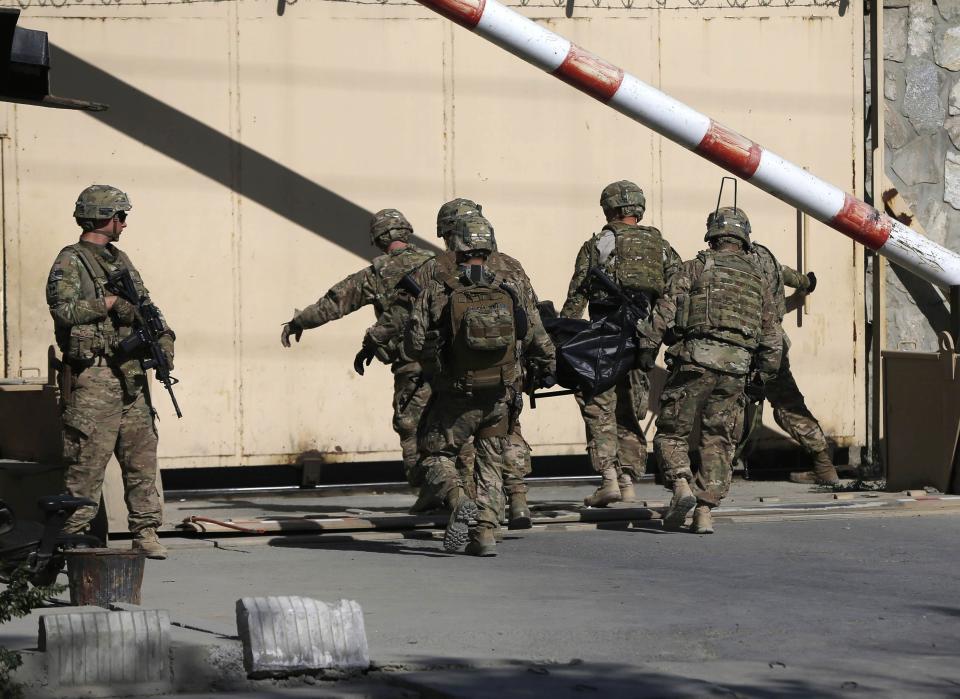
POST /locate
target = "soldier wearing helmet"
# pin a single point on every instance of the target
(641, 261)
(106, 404)
(470, 327)
(518, 461)
(724, 319)
(790, 410)
(376, 285)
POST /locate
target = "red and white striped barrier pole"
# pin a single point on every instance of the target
(643, 103)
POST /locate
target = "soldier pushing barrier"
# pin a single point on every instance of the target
(467, 328)
(106, 405)
(641, 262)
(376, 285)
(728, 341)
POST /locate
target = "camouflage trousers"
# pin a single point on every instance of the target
(411, 396)
(615, 438)
(453, 418)
(411, 399)
(715, 400)
(100, 419)
(790, 410)
(517, 467)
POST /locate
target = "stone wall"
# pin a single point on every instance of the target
(921, 92)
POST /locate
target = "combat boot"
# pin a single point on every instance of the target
(519, 512)
(462, 510)
(482, 542)
(702, 520)
(627, 493)
(608, 491)
(681, 503)
(823, 472)
(147, 541)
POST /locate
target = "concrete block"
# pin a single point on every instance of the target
(287, 635)
(107, 648)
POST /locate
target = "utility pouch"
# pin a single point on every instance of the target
(683, 312)
(85, 345)
(488, 328)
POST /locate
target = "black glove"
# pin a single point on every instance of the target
(547, 380)
(364, 356)
(813, 282)
(754, 390)
(291, 328)
(646, 359)
(671, 336)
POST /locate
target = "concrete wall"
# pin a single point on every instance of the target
(254, 147)
(921, 94)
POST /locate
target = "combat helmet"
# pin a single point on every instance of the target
(728, 221)
(452, 211)
(388, 225)
(472, 234)
(99, 202)
(623, 198)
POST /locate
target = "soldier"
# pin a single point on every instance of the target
(641, 261)
(789, 408)
(377, 285)
(518, 462)
(725, 318)
(106, 402)
(465, 327)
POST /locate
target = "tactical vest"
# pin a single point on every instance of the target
(726, 302)
(633, 256)
(774, 275)
(390, 269)
(82, 344)
(482, 351)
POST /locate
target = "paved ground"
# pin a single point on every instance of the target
(829, 607)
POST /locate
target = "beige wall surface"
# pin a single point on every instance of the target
(254, 147)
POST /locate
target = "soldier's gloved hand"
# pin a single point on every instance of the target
(813, 282)
(364, 356)
(754, 390)
(292, 328)
(671, 336)
(166, 346)
(646, 359)
(124, 311)
(546, 380)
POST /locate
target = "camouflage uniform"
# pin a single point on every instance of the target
(728, 324)
(615, 437)
(789, 408)
(376, 285)
(518, 460)
(460, 410)
(107, 405)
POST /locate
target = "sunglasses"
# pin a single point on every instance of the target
(121, 216)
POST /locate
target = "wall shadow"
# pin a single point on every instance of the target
(222, 159)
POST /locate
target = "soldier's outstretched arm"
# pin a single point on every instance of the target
(770, 349)
(796, 280)
(65, 296)
(343, 298)
(577, 292)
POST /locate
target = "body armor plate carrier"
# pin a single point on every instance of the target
(727, 300)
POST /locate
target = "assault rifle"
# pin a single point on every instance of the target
(146, 334)
(408, 283)
(640, 309)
